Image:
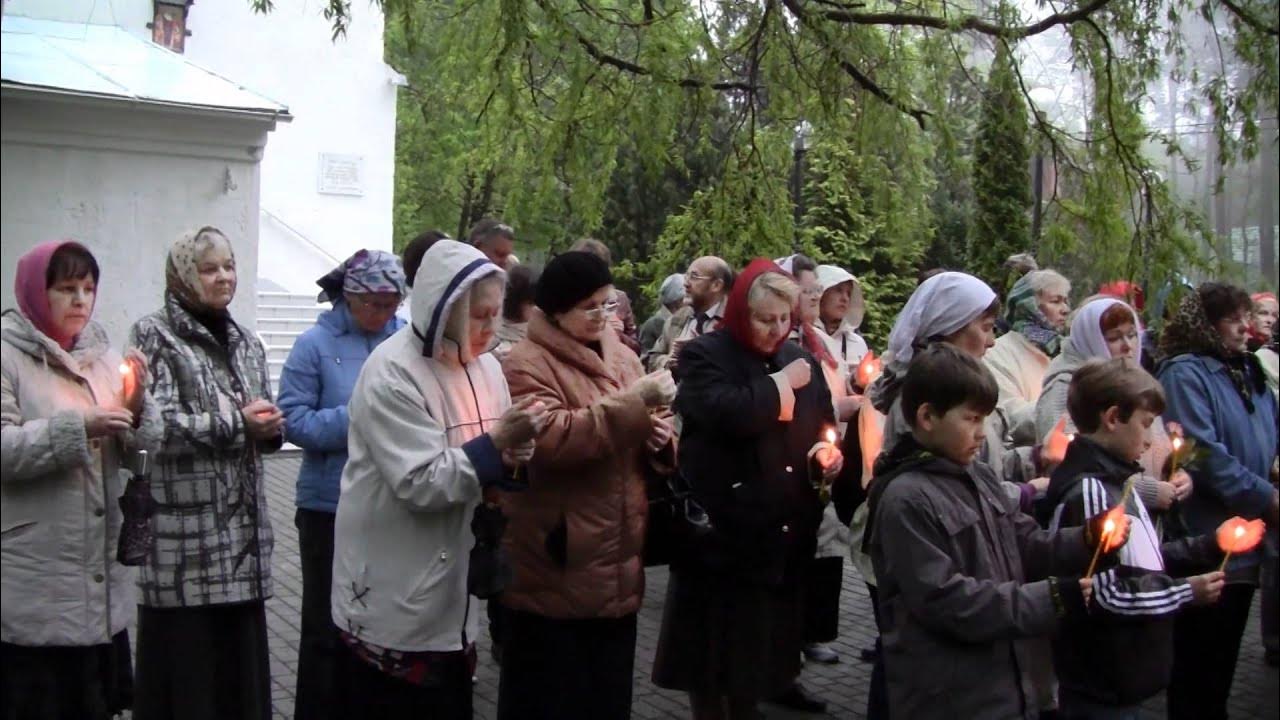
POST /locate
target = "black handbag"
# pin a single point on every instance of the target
(137, 506)
(489, 570)
(676, 520)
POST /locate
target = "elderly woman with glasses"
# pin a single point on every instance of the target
(315, 389)
(576, 535)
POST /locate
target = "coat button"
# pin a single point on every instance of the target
(788, 468)
(98, 577)
(338, 360)
(444, 555)
(786, 528)
(99, 512)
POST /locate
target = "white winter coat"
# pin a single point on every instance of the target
(59, 489)
(1019, 367)
(402, 533)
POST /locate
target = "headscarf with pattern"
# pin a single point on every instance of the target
(1024, 316)
(1190, 332)
(182, 278)
(366, 272)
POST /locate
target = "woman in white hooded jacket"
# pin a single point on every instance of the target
(431, 427)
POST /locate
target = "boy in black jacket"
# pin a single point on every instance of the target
(965, 577)
(1121, 653)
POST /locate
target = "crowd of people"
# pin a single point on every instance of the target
(1058, 511)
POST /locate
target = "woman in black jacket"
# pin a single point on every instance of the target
(755, 414)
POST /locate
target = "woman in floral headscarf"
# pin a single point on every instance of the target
(202, 630)
(1216, 390)
(315, 388)
(1036, 309)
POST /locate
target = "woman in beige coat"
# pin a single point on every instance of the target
(71, 422)
(576, 535)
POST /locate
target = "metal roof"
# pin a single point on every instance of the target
(105, 61)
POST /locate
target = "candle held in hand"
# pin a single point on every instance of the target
(831, 436)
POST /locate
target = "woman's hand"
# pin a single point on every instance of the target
(661, 434)
(656, 389)
(100, 421)
(1181, 482)
(263, 420)
(520, 424)
(830, 459)
(521, 454)
(135, 381)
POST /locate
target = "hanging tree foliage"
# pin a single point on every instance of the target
(550, 111)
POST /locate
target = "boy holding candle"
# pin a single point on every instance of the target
(1121, 653)
(965, 579)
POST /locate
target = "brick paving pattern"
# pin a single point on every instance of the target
(843, 685)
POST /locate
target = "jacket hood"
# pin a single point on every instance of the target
(442, 286)
(19, 332)
(1062, 367)
(830, 276)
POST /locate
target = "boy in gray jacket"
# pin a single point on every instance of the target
(964, 576)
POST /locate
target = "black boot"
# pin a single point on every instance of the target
(797, 697)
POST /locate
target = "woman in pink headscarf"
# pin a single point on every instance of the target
(71, 418)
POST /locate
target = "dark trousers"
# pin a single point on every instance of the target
(319, 637)
(554, 669)
(1206, 643)
(203, 663)
(1271, 604)
(823, 580)
(878, 691)
(365, 692)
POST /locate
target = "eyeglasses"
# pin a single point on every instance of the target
(606, 310)
(697, 276)
(385, 306)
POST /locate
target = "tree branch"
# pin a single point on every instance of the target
(627, 66)
(1253, 22)
(968, 22)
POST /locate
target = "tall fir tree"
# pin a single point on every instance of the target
(1001, 173)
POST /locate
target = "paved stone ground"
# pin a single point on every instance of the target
(843, 685)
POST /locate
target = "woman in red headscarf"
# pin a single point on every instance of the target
(755, 410)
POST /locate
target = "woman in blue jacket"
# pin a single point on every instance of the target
(1216, 390)
(315, 388)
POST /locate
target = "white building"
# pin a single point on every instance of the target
(126, 169)
(122, 145)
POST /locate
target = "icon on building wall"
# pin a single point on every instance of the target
(169, 26)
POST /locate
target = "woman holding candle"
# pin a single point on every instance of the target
(1218, 394)
(576, 535)
(202, 631)
(1105, 327)
(315, 389)
(755, 409)
(71, 421)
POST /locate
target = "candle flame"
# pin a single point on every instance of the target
(1109, 526)
(869, 369)
(124, 368)
(1239, 531)
(1177, 443)
(831, 436)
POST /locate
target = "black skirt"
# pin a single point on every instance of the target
(92, 682)
(361, 690)
(203, 663)
(566, 669)
(721, 636)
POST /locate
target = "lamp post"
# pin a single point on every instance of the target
(798, 148)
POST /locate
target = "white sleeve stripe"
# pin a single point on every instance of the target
(1147, 603)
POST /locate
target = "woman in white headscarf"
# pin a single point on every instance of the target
(1105, 327)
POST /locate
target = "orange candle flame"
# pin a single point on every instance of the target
(831, 436)
(869, 369)
(1238, 535)
(1177, 443)
(125, 369)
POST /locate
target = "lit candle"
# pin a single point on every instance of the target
(125, 369)
(831, 436)
(1238, 535)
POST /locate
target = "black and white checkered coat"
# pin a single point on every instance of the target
(212, 533)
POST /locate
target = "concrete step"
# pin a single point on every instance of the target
(283, 298)
(291, 311)
(285, 324)
(278, 352)
(279, 338)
